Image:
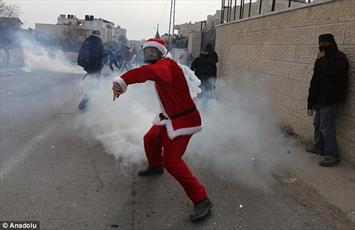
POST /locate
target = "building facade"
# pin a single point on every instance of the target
(69, 27)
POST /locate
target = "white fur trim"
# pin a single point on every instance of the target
(180, 132)
(192, 81)
(169, 126)
(121, 82)
(175, 133)
(157, 45)
(160, 103)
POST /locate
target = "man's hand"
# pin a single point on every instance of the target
(310, 112)
(321, 54)
(117, 90)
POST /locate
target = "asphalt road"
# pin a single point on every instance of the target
(53, 173)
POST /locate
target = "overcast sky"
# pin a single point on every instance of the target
(139, 17)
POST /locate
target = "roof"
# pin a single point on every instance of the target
(106, 21)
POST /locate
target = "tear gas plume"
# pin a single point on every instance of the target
(37, 57)
(240, 140)
(119, 125)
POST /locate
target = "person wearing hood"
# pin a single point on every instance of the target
(212, 53)
(90, 57)
(96, 53)
(327, 91)
(166, 141)
(205, 69)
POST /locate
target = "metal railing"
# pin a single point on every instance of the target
(232, 10)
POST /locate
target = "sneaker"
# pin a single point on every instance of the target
(201, 209)
(329, 162)
(150, 171)
(314, 150)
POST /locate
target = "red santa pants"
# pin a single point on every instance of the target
(161, 151)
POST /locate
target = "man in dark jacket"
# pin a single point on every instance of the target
(205, 69)
(327, 90)
(92, 52)
(96, 54)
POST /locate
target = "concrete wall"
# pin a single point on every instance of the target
(186, 28)
(194, 46)
(274, 54)
(50, 29)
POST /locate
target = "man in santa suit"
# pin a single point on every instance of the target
(166, 141)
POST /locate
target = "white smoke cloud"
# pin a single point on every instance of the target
(240, 139)
(119, 125)
(37, 57)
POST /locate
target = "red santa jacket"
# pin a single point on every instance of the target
(179, 113)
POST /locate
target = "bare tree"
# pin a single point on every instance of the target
(9, 10)
(6, 39)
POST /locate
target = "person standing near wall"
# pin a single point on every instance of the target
(327, 91)
(205, 69)
(213, 55)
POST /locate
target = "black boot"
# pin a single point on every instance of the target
(329, 161)
(201, 209)
(150, 171)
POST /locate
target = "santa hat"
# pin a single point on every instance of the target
(157, 43)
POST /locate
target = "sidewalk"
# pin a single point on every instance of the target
(335, 184)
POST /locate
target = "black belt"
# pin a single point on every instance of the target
(179, 114)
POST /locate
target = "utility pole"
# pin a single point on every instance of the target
(173, 17)
(157, 35)
(171, 9)
(172, 34)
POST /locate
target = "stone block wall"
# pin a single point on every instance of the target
(274, 54)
